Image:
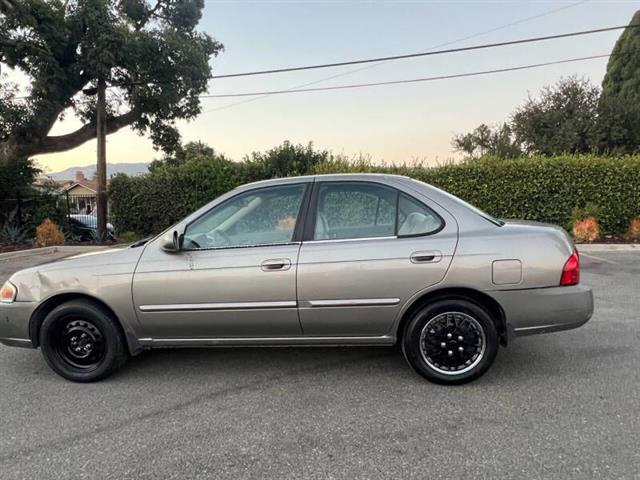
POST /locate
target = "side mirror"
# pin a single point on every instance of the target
(172, 242)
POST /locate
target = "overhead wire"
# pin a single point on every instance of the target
(414, 80)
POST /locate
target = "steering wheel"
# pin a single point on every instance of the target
(218, 238)
(191, 243)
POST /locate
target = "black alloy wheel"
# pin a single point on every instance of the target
(450, 341)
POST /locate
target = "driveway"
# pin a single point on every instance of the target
(563, 405)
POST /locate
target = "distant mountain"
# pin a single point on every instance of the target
(131, 169)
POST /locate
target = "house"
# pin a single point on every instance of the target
(80, 193)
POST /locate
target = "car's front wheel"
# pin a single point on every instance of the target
(81, 342)
(450, 341)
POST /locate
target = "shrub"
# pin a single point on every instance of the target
(13, 234)
(535, 188)
(584, 223)
(48, 234)
(128, 237)
(530, 188)
(585, 230)
(633, 233)
(41, 207)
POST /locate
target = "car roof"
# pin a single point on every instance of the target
(327, 176)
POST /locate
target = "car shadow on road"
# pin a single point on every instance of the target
(241, 361)
(521, 361)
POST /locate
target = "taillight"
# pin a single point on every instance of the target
(571, 270)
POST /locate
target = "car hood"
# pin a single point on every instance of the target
(96, 259)
(84, 273)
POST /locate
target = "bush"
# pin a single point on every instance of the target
(584, 223)
(128, 237)
(48, 234)
(13, 234)
(585, 230)
(536, 188)
(633, 233)
(590, 210)
(530, 188)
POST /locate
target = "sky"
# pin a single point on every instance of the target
(399, 124)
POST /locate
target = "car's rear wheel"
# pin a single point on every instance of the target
(450, 341)
(81, 342)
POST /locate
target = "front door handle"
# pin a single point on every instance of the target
(276, 264)
(431, 256)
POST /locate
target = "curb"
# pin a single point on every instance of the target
(71, 249)
(608, 247)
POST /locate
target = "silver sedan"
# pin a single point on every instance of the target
(321, 260)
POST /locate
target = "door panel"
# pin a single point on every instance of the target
(235, 275)
(358, 287)
(217, 293)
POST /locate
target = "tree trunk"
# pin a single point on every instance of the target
(101, 170)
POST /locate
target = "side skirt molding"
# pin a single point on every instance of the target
(265, 341)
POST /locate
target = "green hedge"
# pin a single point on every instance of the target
(538, 188)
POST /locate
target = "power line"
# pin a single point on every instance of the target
(393, 57)
(426, 54)
(413, 55)
(400, 57)
(444, 44)
(413, 80)
(381, 60)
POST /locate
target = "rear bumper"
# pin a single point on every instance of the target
(14, 323)
(544, 310)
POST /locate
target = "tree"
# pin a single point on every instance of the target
(617, 127)
(286, 160)
(562, 120)
(619, 107)
(484, 140)
(151, 57)
(183, 153)
(622, 80)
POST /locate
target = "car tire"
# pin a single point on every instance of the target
(450, 341)
(82, 342)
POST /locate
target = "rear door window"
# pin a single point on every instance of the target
(355, 210)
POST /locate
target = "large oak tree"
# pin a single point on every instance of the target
(150, 54)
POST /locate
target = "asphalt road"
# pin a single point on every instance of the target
(563, 405)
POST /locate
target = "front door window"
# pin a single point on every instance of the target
(265, 216)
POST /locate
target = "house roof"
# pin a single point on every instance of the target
(88, 184)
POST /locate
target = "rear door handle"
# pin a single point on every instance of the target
(431, 256)
(276, 264)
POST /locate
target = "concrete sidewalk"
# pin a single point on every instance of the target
(65, 249)
(608, 247)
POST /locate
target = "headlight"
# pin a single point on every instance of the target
(8, 292)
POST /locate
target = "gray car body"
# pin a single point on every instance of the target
(332, 292)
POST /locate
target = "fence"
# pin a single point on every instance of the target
(27, 211)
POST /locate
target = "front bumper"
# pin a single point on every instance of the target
(14, 323)
(544, 310)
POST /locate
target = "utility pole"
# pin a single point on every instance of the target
(101, 169)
